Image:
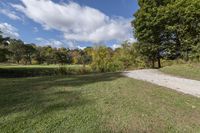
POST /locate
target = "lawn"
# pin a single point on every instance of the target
(3, 65)
(14, 70)
(191, 71)
(94, 103)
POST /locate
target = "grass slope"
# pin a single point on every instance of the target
(94, 103)
(191, 71)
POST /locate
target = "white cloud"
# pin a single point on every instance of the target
(10, 14)
(58, 44)
(8, 30)
(80, 47)
(51, 42)
(132, 40)
(115, 46)
(79, 23)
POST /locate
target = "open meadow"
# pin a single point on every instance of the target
(94, 103)
(99, 66)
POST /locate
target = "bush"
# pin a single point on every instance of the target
(62, 70)
(115, 66)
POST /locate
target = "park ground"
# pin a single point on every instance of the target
(190, 71)
(90, 103)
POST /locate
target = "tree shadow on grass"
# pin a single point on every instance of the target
(87, 79)
(39, 102)
(41, 95)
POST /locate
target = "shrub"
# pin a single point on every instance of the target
(62, 70)
(115, 66)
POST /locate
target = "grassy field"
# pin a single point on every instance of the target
(36, 66)
(94, 103)
(14, 70)
(191, 71)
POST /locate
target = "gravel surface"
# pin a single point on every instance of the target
(154, 76)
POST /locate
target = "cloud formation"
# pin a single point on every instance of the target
(79, 23)
(115, 46)
(10, 14)
(58, 43)
(52, 42)
(8, 30)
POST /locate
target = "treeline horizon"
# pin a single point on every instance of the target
(166, 30)
(100, 58)
(16, 51)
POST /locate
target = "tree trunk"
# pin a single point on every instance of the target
(159, 63)
(30, 61)
(153, 63)
(198, 58)
(187, 56)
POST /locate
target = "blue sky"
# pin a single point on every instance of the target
(64, 23)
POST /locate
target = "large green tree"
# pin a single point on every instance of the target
(184, 25)
(167, 28)
(149, 30)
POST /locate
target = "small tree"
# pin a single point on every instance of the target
(17, 49)
(101, 58)
(28, 53)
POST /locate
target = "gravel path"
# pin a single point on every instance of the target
(186, 86)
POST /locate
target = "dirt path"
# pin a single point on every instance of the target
(186, 86)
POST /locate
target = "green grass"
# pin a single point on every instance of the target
(94, 103)
(13, 70)
(191, 71)
(36, 66)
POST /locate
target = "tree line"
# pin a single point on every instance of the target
(100, 58)
(168, 29)
(15, 51)
(164, 29)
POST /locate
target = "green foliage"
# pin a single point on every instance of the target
(4, 53)
(165, 30)
(60, 55)
(149, 30)
(28, 53)
(185, 25)
(168, 28)
(63, 70)
(16, 47)
(101, 59)
(125, 57)
(130, 55)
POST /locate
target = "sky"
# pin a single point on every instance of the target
(68, 23)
